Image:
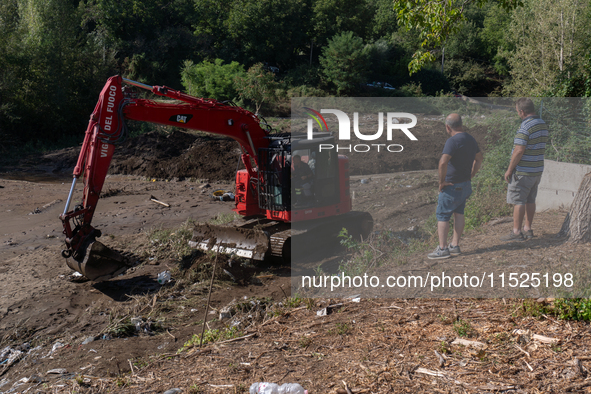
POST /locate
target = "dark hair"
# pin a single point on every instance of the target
(526, 105)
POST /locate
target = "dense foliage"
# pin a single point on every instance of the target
(55, 55)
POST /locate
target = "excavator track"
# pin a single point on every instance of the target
(249, 238)
(261, 238)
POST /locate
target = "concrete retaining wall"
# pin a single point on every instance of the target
(559, 185)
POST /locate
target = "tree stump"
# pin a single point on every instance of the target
(577, 224)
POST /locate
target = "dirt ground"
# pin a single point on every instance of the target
(123, 335)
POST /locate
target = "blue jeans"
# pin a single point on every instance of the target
(452, 199)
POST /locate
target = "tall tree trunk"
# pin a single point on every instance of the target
(577, 224)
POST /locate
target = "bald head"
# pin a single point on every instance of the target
(454, 121)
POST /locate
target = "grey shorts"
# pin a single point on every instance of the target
(523, 189)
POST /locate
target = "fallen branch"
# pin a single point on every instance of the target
(431, 373)
(236, 339)
(523, 351)
(536, 337)
(347, 388)
(440, 358)
(153, 199)
(465, 342)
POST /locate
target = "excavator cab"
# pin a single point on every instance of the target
(322, 189)
(282, 197)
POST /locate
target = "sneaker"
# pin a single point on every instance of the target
(454, 250)
(529, 234)
(439, 254)
(513, 237)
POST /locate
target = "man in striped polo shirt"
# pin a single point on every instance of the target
(525, 169)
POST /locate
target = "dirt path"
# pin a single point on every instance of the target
(371, 345)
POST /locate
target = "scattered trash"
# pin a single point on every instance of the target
(137, 322)
(230, 275)
(143, 326)
(225, 313)
(328, 310)
(88, 340)
(57, 371)
(56, 346)
(10, 356)
(273, 388)
(222, 195)
(173, 391)
(164, 277)
(364, 181)
(77, 277)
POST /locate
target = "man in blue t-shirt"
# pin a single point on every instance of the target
(460, 161)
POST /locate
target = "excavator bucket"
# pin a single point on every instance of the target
(99, 262)
(243, 242)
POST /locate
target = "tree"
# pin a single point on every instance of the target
(152, 38)
(550, 37)
(211, 30)
(577, 224)
(384, 22)
(436, 20)
(212, 80)
(51, 67)
(257, 85)
(495, 38)
(575, 83)
(345, 62)
(333, 17)
(271, 31)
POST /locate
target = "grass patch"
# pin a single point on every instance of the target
(577, 309)
(210, 336)
(385, 247)
(463, 328)
(172, 242)
(224, 218)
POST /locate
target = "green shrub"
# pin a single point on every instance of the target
(345, 62)
(211, 80)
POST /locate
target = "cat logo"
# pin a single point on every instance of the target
(181, 118)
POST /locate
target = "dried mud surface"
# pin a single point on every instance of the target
(376, 345)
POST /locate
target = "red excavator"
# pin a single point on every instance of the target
(273, 209)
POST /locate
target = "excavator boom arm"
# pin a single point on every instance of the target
(106, 128)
